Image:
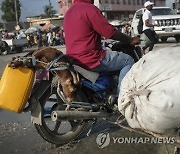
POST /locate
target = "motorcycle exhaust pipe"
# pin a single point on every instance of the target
(77, 115)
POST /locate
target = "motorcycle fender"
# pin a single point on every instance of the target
(36, 110)
(36, 115)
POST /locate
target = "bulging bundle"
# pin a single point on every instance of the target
(150, 92)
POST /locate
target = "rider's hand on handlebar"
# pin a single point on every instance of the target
(135, 41)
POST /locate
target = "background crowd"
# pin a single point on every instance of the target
(37, 38)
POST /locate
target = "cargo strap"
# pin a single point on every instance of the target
(60, 68)
(24, 60)
(145, 92)
(54, 66)
(54, 61)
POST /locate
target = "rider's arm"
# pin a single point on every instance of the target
(118, 36)
(102, 26)
(124, 38)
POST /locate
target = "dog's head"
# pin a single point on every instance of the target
(69, 82)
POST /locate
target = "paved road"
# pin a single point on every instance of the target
(17, 134)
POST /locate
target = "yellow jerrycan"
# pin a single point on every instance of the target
(15, 88)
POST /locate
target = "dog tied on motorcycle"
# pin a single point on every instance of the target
(66, 79)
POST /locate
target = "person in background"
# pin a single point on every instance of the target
(40, 41)
(5, 34)
(35, 38)
(28, 39)
(19, 36)
(49, 38)
(53, 37)
(61, 34)
(148, 26)
(123, 30)
(84, 25)
(57, 39)
(44, 38)
(127, 29)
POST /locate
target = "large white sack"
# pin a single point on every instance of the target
(153, 86)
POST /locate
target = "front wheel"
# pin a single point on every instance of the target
(164, 39)
(177, 39)
(19, 49)
(59, 132)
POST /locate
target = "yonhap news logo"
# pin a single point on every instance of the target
(103, 140)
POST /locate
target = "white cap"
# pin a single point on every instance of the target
(148, 3)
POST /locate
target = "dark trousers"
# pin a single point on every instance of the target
(151, 34)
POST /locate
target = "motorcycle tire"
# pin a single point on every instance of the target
(53, 135)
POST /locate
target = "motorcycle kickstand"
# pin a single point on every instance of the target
(92, 126)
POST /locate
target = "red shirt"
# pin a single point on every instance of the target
(84, 25)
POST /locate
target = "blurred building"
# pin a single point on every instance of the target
(113, 9)
(42, 20)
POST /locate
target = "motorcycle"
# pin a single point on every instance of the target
(93, 101)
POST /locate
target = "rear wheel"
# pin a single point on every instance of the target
(19, 49)
(5, 49)
(59, 132)
(163, 39)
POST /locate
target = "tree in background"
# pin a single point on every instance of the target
(49, 10)
(8, 8)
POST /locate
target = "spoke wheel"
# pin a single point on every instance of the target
(61, 131)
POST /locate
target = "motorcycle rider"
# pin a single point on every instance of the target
(84, 25)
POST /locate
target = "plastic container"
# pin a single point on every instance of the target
(15, 88)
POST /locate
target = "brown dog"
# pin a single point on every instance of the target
(66, 78)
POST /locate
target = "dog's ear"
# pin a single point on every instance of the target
(75, 78)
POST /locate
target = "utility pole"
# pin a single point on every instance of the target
(17, 27)
(15, 5)
(50, 13)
